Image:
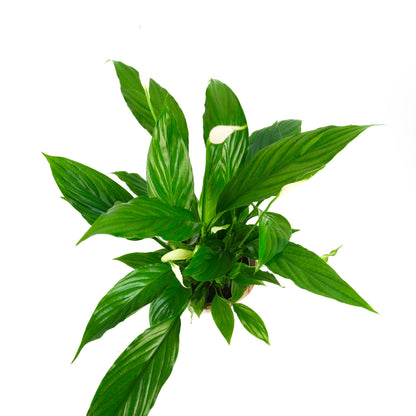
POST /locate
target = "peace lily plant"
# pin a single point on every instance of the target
(212, 248)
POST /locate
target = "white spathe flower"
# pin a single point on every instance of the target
(177, 272)
(178, 254)
(218, 134)
(219, 228)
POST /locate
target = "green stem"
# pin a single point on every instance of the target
(258, 220)
(162, 243)
(213, 221)
(228, 237)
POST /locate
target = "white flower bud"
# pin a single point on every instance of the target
(178, 254)
(218, 134)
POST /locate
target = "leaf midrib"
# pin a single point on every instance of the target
(145, 365)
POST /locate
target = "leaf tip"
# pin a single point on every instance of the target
(48, 157)
(77, 353)
(83, 238)
(369, 308)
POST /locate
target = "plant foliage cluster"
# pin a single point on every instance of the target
(213, 247)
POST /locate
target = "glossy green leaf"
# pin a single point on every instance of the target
(223, 316)
(136, 260)
(244, 275)
(198, 299)
(208, 264)
(131, 386)
(160, 99)
(251, 249)
(170, 304)
(130, 294)
(222, 160)
(134, 181)
(145, 217)
(169, 170)
(289, 160)
(251, 321)
(274, 233)
(237, 290)
(310, 272)
(137, 100)
(90, 192)
(269, 135)
(266, 277)
(135, 95)
(246, 232)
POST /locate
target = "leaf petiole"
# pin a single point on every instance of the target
(258, 220)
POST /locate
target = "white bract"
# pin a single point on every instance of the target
(178, 254)
(218, 134)
(219, 228)
(177, 272)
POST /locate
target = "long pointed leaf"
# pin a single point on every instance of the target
(169, 170)
(131, 293)
(269, 135)
(222, 160)
(90, 192)
(223, 316)
(131, 386)
(208, 264)
(136, 98)
(289, 160)
(251, 321)
(160, 98)
(134, 181)
(310, 272)
(274, 233)
(136, 260)
(135, 95)
(170, 304)
(144, 217)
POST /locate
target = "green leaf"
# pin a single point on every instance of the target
(244, 275)
(310, 272)
(169, 171)
(251, 249)
(137, 100)
(90, 192)
(131, 386)
(160, 99)
(330, 254)
(198, 299)
(274, 233)
(289, 160)
(135, 95)
(251, 321)
(136, 260)
(134, 181)
(145, 217)
(237, 290)
(223, 316)
(130, 294)
(222, 160)
(170, 304)
(208, 264)
(266, 277)
(269, 135)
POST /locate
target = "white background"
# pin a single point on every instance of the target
(325, 62)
